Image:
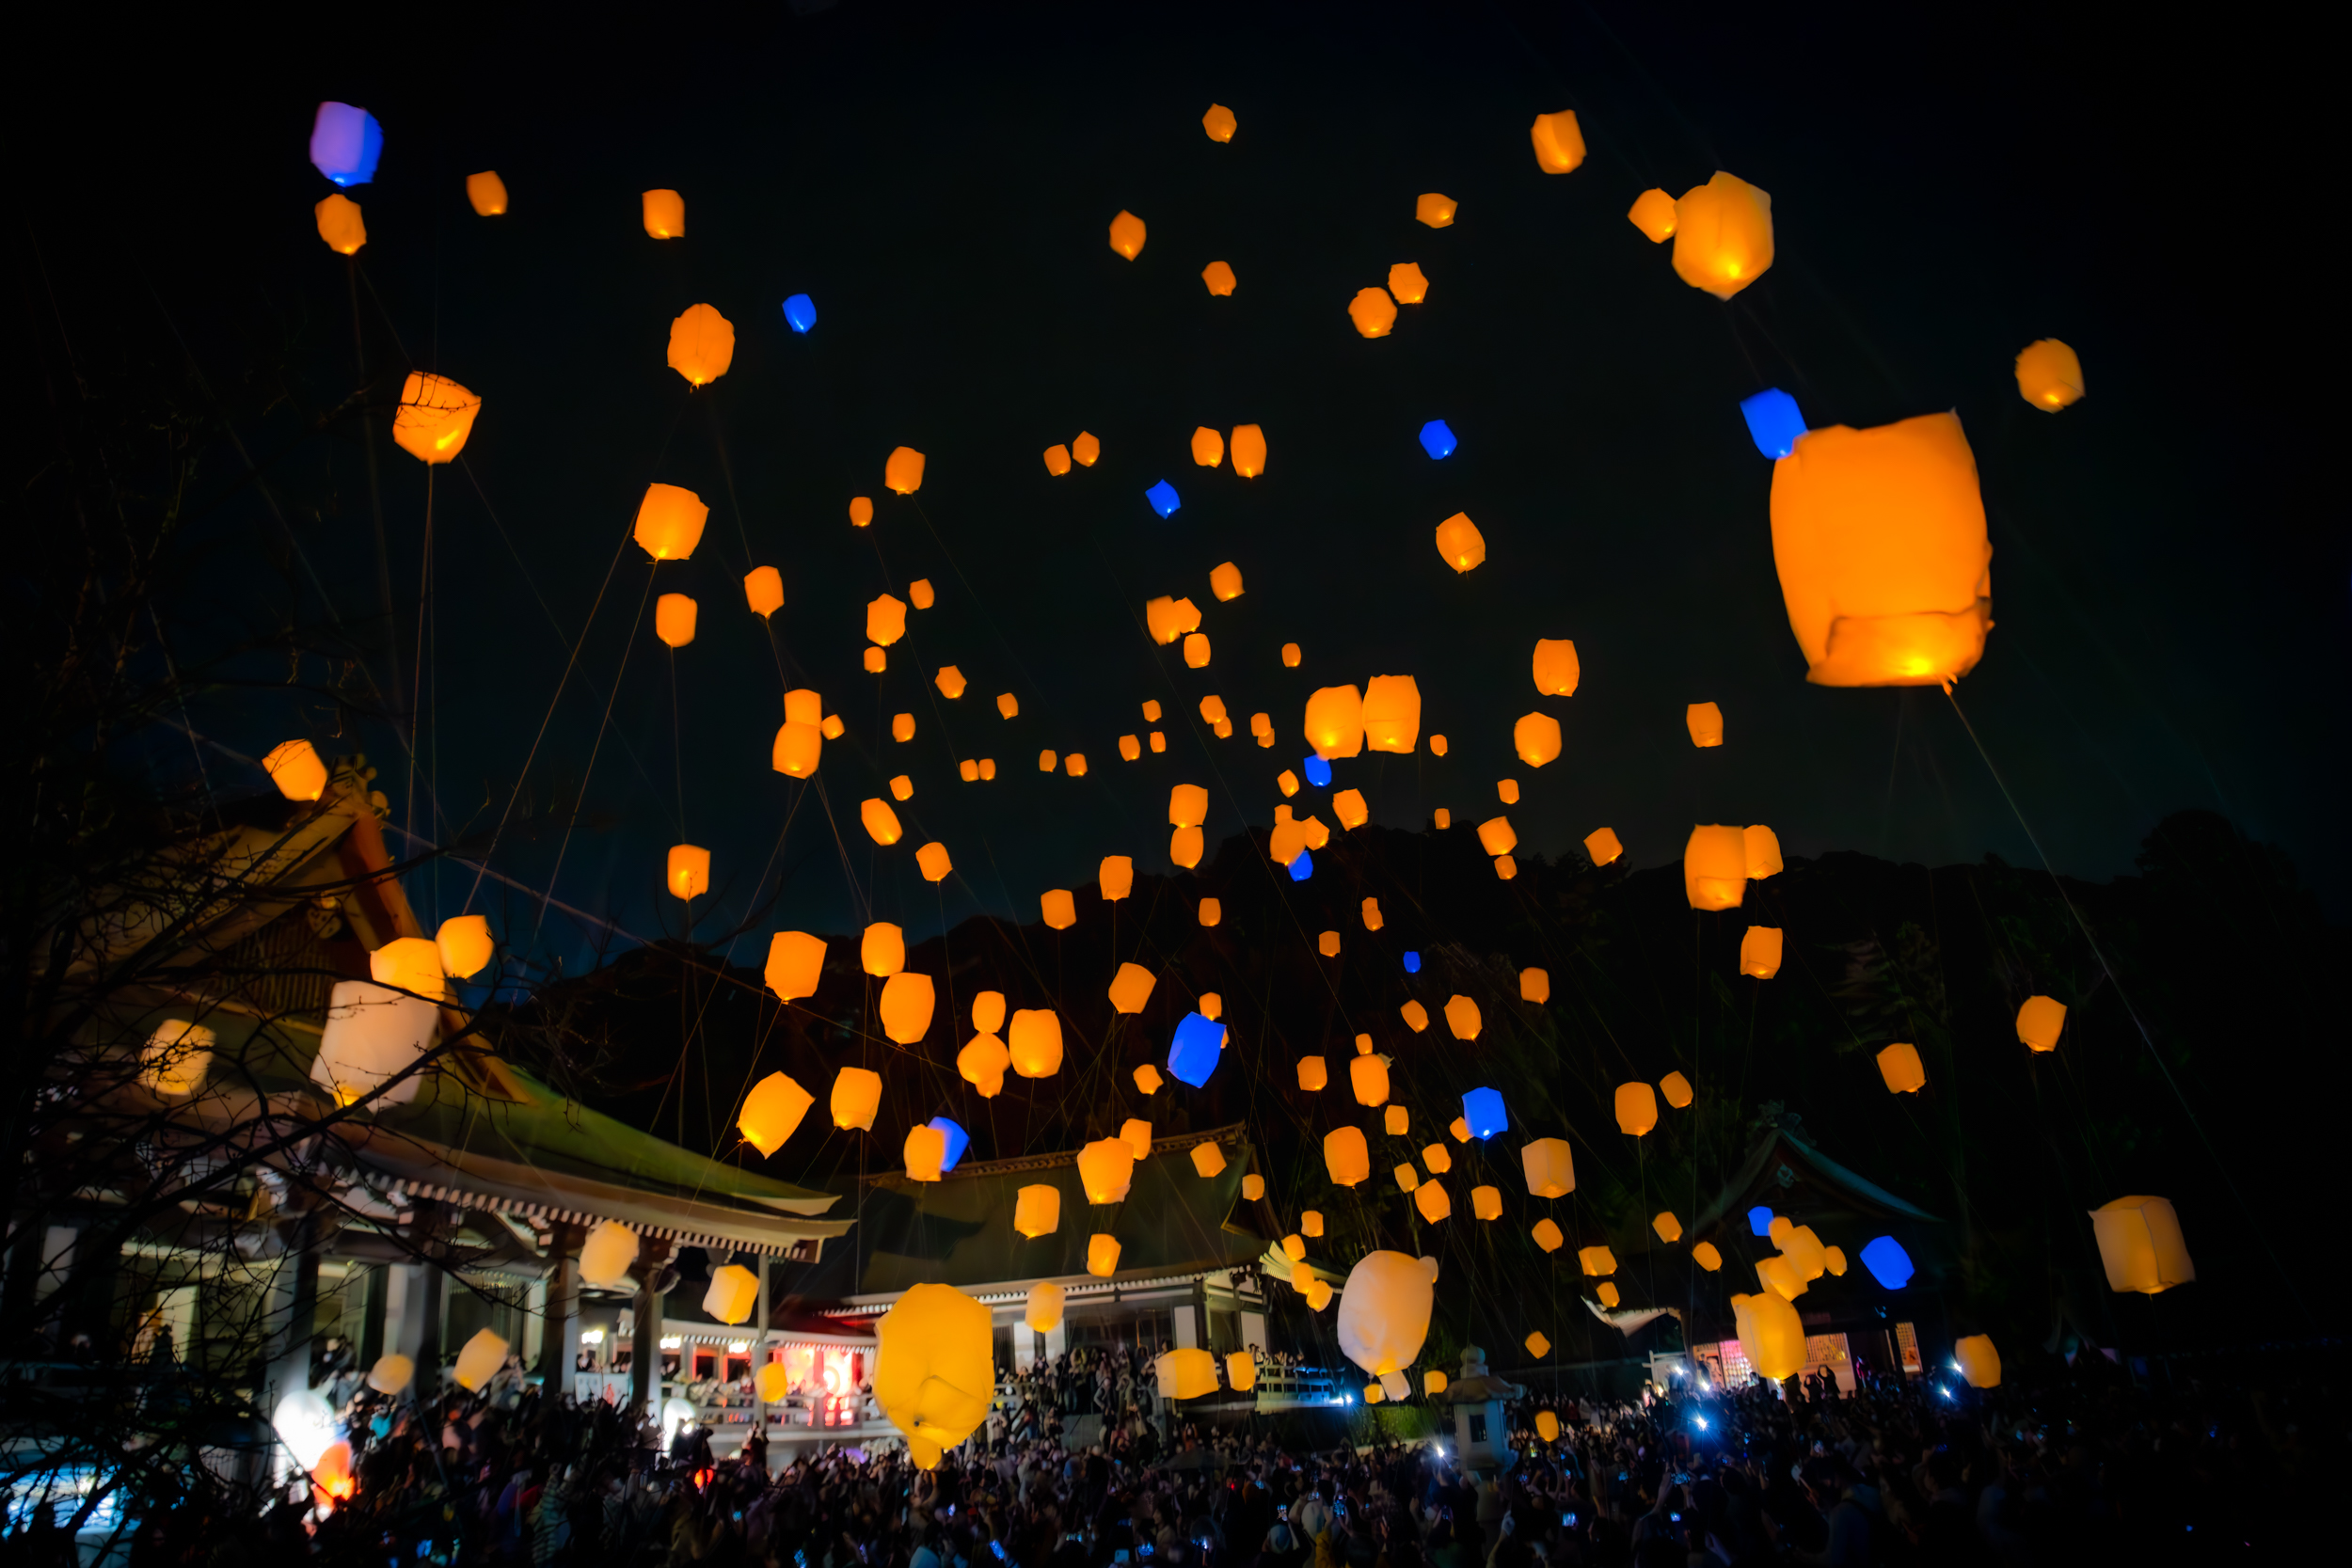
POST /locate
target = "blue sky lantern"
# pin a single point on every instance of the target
(1318, 772)
(1163, 498)
(1436, 439)
(1761, 1221)
(1412, 964)
(1889, 1264)
(1192, 1055)
(1483, 1109)
(800, 311)
(1303, 867)
(1773, 420)
(958, 1141)
(345, 143)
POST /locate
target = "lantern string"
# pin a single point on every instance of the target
(603, 723)
(2146, 1038)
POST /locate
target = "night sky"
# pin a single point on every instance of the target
(2169, 578)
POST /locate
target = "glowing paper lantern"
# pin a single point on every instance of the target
(856, 1095)
(1057, 907)
(1707, 1256)
(1979, 1363)
(1085, 448)
(1416, 1016)
(1207, 1160)
(1637, 1108)
(1548, 1235)
(670, 522)
(1550, 1167)
(345, 143)
(1106, 1168)
(176, 1057)
(880, 821)
(1723, 235)
(933, 862)
(1834, 1259)
(1436, 439)
(1036, 1211)
(1043, 1310)
(1346, 1156)
(1076, 765)
(1335, 723)
(1706, 724)
(906, 1005)
(341, 225)
(1559, 141)
(1536, 985)
(1210, 1006)
(1879, 539)
(1434, 210)
(950, 682)
(1774, 422)
(1185, 1374)
(1131, 987)
(1318, 1294)
(479, 1362)
(1057, 460)
(1889, 1264)
(1536, 739)
(1483, 1115)
(1391, 714)
(674, 617)
(1547, 1425)
(1249, 458)
(1486, 1202)
(1539, 1347)
(1383, 1312)
(1653, 214)
(664, 214)
(295, 768)
(607, 1254)
(903, 470)
(983, 1063)
(1127, 234)
(1396, 1118)
(1241, 1370)
(1763, 851)
(434, 416)
(1461, 1017)
(1034, 1042)
(1102, 1255)
(763, 590)
(1407, 283)
(1676, 1089)
(1194, 1052)
(919, 594)
(1668, 1227)
(772, 1113)
(1715, 868)
(1148, 1079)
(702, 345)
(1208, 447)
(861, 511)
(1373, 311)
(1368, 1074)
(1759, 952)
(1211, 911)
(2140, 1245)
(796, 961)
(1219, 277)
(800, 314)
(2049, 375)
(1772, 1335)
(1602, 845)
(373, 1035)
(410, 964)
(1225, 580)
(882, 948)
(933, 1370)
(2039, 1022)
(1313, 1075)
(1461, 544)
(1557, 668)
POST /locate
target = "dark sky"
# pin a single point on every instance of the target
(2169, 575)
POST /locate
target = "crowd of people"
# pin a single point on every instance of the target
(1889, 1472)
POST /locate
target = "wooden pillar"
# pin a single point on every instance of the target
(294, 1306)
(645, 1361)
(559, 1342)
(426, 1306)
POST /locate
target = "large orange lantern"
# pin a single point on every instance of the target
(435, 416)
(702, 345)
(1879, 538)
(1715, 867)
(670, 522)
(1723, 235)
